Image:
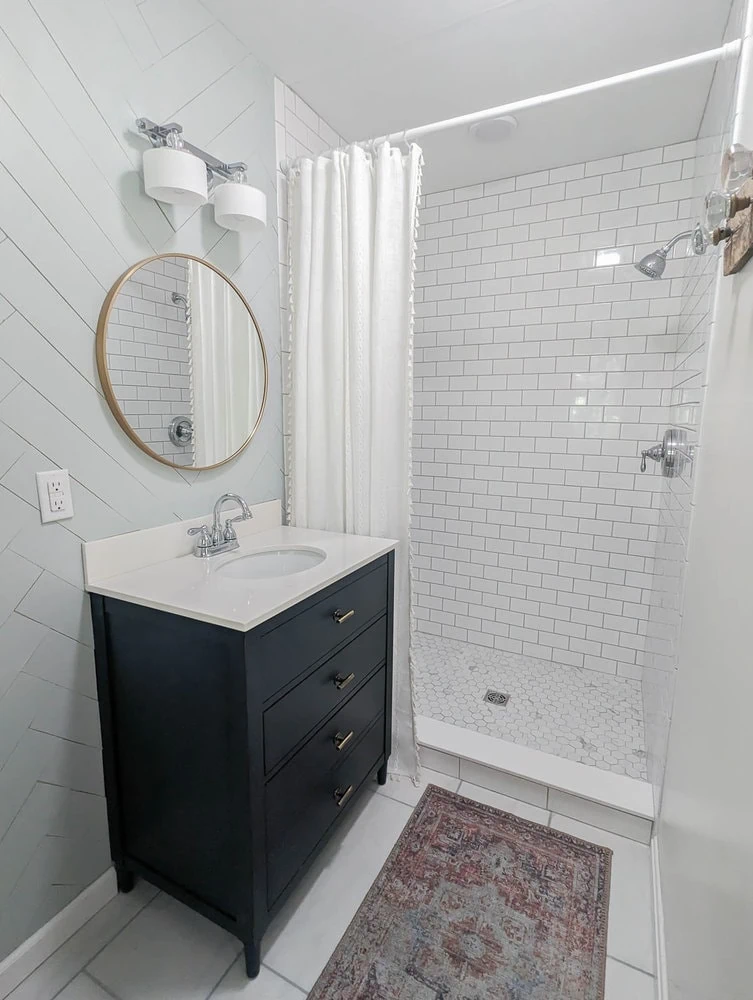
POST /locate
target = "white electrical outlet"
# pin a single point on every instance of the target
(54, 491)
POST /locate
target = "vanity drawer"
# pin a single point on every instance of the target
(287, 649)
(355, 717)
(336, 680)
(303, 802)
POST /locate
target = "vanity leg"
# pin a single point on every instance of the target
(126, 879)
(253, 960)
(382, 774)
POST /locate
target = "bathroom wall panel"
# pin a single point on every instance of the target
(73, 217)
(689, 380)
(541, 371)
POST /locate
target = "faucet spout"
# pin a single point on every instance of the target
(220, 540)
(217, 532)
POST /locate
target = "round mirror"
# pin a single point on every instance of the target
(182, 361)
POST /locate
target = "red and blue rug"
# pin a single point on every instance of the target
(476, 904)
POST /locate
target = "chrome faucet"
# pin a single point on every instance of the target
(219, 539)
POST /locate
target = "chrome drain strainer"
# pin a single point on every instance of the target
(496, 697)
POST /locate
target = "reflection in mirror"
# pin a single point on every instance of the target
(182, 362)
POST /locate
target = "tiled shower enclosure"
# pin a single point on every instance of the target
(543, 365)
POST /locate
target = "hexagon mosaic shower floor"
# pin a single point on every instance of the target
(574, 713)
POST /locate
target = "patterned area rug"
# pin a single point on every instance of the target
(476, 904)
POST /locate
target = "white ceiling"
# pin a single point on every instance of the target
(375, 66)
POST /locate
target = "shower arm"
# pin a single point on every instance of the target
(675, 239)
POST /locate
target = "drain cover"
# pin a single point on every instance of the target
(496, 697)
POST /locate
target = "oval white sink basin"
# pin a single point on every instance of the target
(272, 562)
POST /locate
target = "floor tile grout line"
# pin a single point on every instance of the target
(629, 965)
(224, 973)
(109, 941)
(286, 979)
(105, 989)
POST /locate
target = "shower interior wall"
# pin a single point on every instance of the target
(544, 363)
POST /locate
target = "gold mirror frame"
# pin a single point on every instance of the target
(104, 374)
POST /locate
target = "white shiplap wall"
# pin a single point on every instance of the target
(73, 77)
(541, 370)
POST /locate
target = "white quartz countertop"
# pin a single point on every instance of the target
(192, 587)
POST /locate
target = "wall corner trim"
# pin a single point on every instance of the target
(31, 953)
(662, 981)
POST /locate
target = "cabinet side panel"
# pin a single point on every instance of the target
(177, 701)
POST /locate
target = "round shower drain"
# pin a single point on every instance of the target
(496, 697)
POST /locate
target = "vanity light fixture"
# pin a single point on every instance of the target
(238, 206)
(177, 172)
(173, 175)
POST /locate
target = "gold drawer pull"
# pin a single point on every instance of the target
(341, 741)
(342, 795)
(342, 682)
(343, 616)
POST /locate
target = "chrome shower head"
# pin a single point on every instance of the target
(653, 264)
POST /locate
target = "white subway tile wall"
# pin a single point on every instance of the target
(148, 355)
(543, 366)
(299, 131)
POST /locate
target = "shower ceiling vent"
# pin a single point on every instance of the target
(494, 129)
(496, 697)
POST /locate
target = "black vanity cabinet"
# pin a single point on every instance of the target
(230, 757)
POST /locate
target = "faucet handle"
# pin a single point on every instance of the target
(229, 534)
(203, 542)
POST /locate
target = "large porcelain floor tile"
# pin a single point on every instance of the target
(61, 967)
(504, 802)
(404, 790)
(167, 953)
(267, 986)
(308, 928)
(626, 983)
(631, 933)
(83, 988)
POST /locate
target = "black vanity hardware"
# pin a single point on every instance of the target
(343, 616)
(343, 794)
(222, 748)
(341, 741)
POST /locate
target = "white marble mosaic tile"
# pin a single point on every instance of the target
(572, 712)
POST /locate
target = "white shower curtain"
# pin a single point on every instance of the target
(352, 218)
(227, 367)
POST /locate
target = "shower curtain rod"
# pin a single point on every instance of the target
(659, 69)
(726, 51)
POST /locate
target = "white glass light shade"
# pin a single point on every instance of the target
(175, 176)
(240, 207)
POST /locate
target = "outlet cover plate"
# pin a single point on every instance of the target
(54, 492)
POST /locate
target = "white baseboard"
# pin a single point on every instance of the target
(29, 955)
(662, 982)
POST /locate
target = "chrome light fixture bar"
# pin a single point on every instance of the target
(178, 173)
(171, 135)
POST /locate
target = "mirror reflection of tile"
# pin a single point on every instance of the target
(148, 354)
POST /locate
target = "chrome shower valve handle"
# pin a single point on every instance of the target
(672, 452)
(656, 452)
